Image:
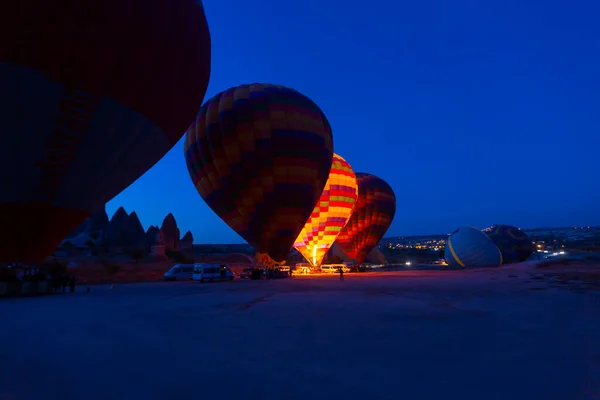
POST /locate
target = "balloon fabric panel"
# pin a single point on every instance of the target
(150, 55)
(470, 247)
(514, 244)
(372, 216)
(93, 96)
(331, 213)
(259, 155)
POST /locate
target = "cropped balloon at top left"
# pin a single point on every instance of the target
(92, 94)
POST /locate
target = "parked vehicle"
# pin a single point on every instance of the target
(179, 272)
(246, 273)
(257, 273)
(334, 268)
(302, 268)
(282, 271)
(212, 272)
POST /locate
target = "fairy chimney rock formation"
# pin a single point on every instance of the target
(187, 242)
(114, 235)
(135, 231)
(160, 238)
(158, 249)
(171, 232)
(124, 230)
(151, 235)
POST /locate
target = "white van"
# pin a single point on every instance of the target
(302, 268)
(212, 272)
(334, 268)
(179, 272)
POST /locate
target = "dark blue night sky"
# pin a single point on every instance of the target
(476, 112)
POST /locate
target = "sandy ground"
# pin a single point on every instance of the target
(506, 333)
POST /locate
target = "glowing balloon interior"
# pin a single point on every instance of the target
(92, 95)
(372, 216)
(260, 155)
(331, 213)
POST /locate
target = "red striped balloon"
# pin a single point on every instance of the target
(259, 155)
(92, 94)
(372, 216)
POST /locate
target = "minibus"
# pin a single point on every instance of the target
(334, 268)
(179, 272)
(212, 272)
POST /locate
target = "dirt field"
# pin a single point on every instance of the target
(496, 334)
(580, 275)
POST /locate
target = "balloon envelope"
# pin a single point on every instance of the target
(372, 216)
(92, 94)
(330, 214)
(514, 244)
(260, 155)
(470, 247)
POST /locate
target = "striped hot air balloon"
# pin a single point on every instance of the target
(260, 155)
(470, 247)
(92, 94)
(372, 216)
(330, 214)
(514, 244)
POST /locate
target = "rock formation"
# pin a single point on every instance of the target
(150, 236)
(158, 249)
(95, 223)
(124, 231)
(136, 231)
(186, 243)
(114, 231)
(171, 232)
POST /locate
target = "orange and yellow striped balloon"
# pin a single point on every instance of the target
(331, 213)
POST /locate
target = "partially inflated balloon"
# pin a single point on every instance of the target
(470, 247)
(372, 216)
(260, 155)
(92, 94)
(514, 244)
(331, 213)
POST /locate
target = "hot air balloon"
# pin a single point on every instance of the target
(330, 214)
(514, 244)
(92, 94)
(259, 155)
(372, 216)
(470, 247)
